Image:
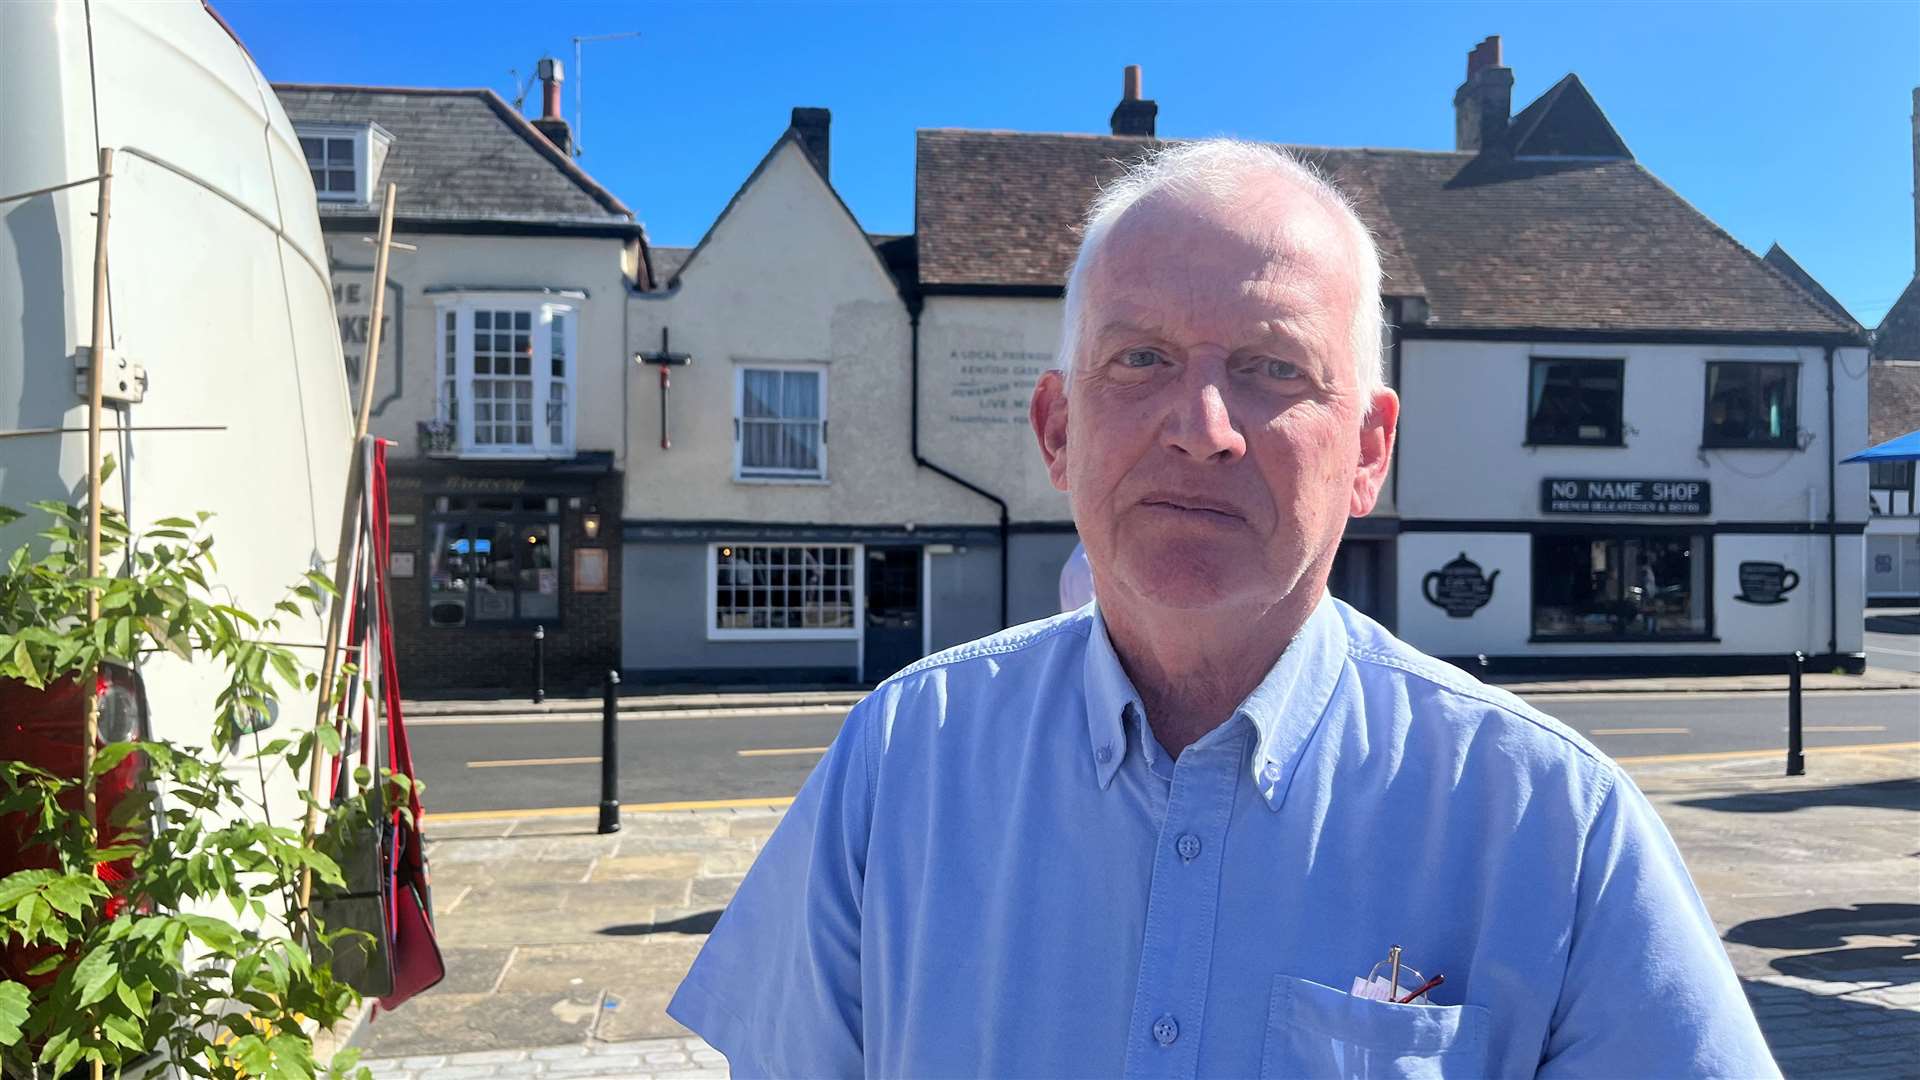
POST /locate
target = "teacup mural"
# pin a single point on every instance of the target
(1460, 588)
(1765, 583)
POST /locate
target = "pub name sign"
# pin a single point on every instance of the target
(1560, 495)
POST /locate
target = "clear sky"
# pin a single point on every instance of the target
(1783, 122)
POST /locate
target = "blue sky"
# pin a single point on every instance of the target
(1782, 121)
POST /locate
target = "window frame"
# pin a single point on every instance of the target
(516, 519)
(1708, 441)
(362, 137)
(543, 311)
(1905, 486)
(1618, 436)
(1700, 538)
(776, 476)
(858, 567)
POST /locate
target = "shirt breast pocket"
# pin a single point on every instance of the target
(1317, 1031)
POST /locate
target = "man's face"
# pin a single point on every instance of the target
(1215, 439)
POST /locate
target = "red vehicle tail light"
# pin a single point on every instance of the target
(46, 728)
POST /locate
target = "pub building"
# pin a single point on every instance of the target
(500, 380)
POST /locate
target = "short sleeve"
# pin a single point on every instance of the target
(777, 986)
(1648, 989)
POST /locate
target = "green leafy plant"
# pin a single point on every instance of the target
(190, 958)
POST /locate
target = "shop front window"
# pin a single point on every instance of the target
(772, 591)
(494, 560)
(1619, 587)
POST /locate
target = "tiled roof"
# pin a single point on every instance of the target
(1893, 401)
(667, 260)
(1899, 335)
(460, 156)
(1490, 243)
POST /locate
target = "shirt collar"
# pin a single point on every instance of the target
(1284, 709)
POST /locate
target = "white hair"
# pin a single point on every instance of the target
(1218, 170)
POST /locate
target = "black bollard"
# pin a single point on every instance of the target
(539, 664)
(610, 756)
(1796, 761)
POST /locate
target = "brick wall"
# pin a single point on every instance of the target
(440, 661)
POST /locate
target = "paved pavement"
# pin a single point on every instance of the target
(563, 946)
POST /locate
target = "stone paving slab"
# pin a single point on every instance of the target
(1814, 882)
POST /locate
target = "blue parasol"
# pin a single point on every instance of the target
(1904, 448)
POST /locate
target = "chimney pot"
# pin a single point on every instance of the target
(551, 76)
(1134, 115)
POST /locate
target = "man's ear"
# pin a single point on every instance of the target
(1048, 414)
(1377, 433)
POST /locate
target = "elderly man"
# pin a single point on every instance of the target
(1176, 832)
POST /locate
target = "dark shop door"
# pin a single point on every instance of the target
(893, 610)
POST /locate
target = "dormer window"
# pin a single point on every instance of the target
(342, 158)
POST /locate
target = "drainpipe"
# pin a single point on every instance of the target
(914, 304)
(1833, 538)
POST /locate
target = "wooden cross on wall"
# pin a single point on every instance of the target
(666, 359)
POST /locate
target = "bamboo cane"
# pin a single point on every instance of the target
(96, 376)
(96, 372)
(349, 536)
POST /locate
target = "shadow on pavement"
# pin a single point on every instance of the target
(1816, 1031)
(1894, 624)
(701, 922)
(1817, 1035)
(1884, 794)
(1825, 928)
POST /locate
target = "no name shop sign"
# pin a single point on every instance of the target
(1560, 495)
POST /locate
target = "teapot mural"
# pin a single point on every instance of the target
(1460, 588)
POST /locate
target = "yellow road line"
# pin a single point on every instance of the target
(771, 801)
(1735, 755)
(1639, 731)
(1844, 727)
(782, 751)
(510, 762)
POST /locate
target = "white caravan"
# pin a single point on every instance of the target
(219, 306)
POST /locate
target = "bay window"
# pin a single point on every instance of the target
(506, 376)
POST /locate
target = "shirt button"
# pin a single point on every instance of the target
(1188, 846)
(1165, 1030)
(1103, 755)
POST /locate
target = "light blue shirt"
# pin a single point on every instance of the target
(997, 871)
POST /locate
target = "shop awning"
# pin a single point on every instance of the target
(1903, 448)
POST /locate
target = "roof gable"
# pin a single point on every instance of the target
(1898, 337)
(809, 179)
(1565, 122)
(460, 156)
(1778, 258)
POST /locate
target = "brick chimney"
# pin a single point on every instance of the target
(551, 124)
(1135, 114)
(1484, 103)
(813, 125)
